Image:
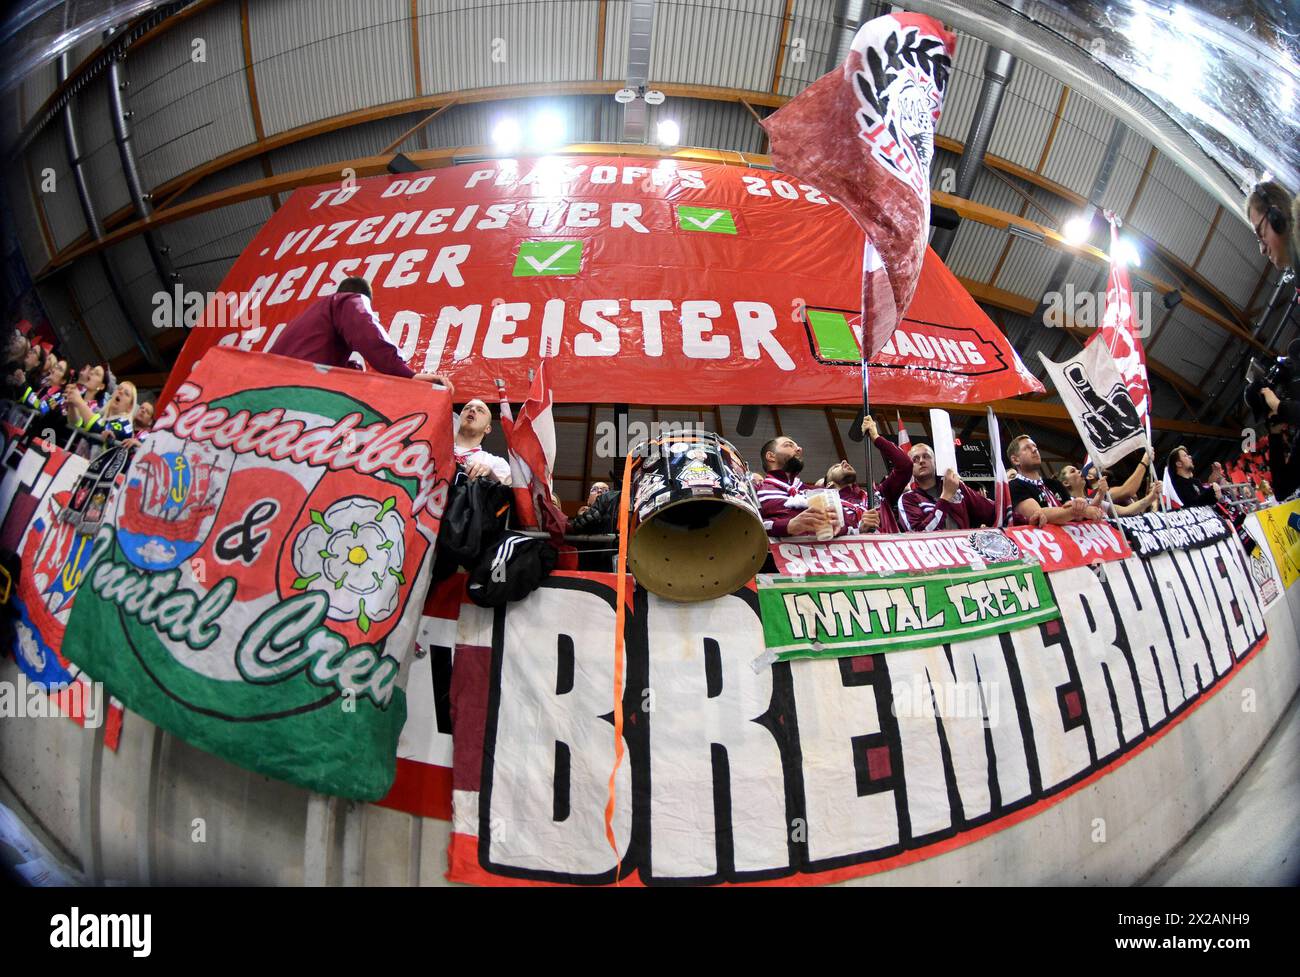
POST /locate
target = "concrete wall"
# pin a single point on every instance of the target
(159, 810)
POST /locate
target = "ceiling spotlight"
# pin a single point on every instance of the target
(1171, 299)
(506, 135)
(1126, 253)
(546, 131)
(1076, 230)
(401, 163)
(669, 133)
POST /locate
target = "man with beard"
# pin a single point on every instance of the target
(782, 495)
(929, 505)
(859, 515)
(1182, 471)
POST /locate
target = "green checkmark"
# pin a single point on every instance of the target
(548, 257)
(715, 220)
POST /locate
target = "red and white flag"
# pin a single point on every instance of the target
(904, 439)
(1120, 333)
(864, 133)
(1168, 491)
(530, 442)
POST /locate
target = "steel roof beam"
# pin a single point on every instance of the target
(170, 190)
(982, 213)
(72, 148)
(640, 18)
(999, 66)
(159, 254)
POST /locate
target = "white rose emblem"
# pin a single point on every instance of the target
(353, 552)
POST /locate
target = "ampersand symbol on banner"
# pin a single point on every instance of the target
(241, 541)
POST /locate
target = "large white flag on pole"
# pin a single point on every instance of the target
(1093, 391)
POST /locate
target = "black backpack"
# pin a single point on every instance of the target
(475, 517)
(511, 570)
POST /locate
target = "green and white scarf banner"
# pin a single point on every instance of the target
(258, 585)
(838, 615)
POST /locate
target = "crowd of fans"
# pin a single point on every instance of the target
(1251, 468)
(91, 404)
(912, 497)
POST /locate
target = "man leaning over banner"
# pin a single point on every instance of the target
(1039, 501)
(330, 330)
(929, 505)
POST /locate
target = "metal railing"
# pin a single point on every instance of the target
(27, 421)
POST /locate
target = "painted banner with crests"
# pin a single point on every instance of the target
(1281, 527)
(1053, 547)
(259, 585)
(812, 771)
(1263, 564)
(35, 492)
(885, 553)
(1075, 544)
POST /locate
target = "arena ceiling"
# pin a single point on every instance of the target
(234, 103)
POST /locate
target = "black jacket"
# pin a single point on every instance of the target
(600, 517)
(1192, 492)
(1283, 464)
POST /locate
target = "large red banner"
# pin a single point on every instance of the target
(646, 283)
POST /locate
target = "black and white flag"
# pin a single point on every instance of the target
(1093, 392)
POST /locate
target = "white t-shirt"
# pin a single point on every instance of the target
(500, 467)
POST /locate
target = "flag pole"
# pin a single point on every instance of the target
(866, 401)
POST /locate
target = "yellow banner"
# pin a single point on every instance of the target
(1281, 525)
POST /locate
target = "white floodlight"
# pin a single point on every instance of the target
(506, 135)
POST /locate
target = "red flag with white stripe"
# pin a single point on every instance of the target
(1168, 491)
(423, 782)
(1119, 331)
(904, 439)
(864, 133)
(530, 442)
